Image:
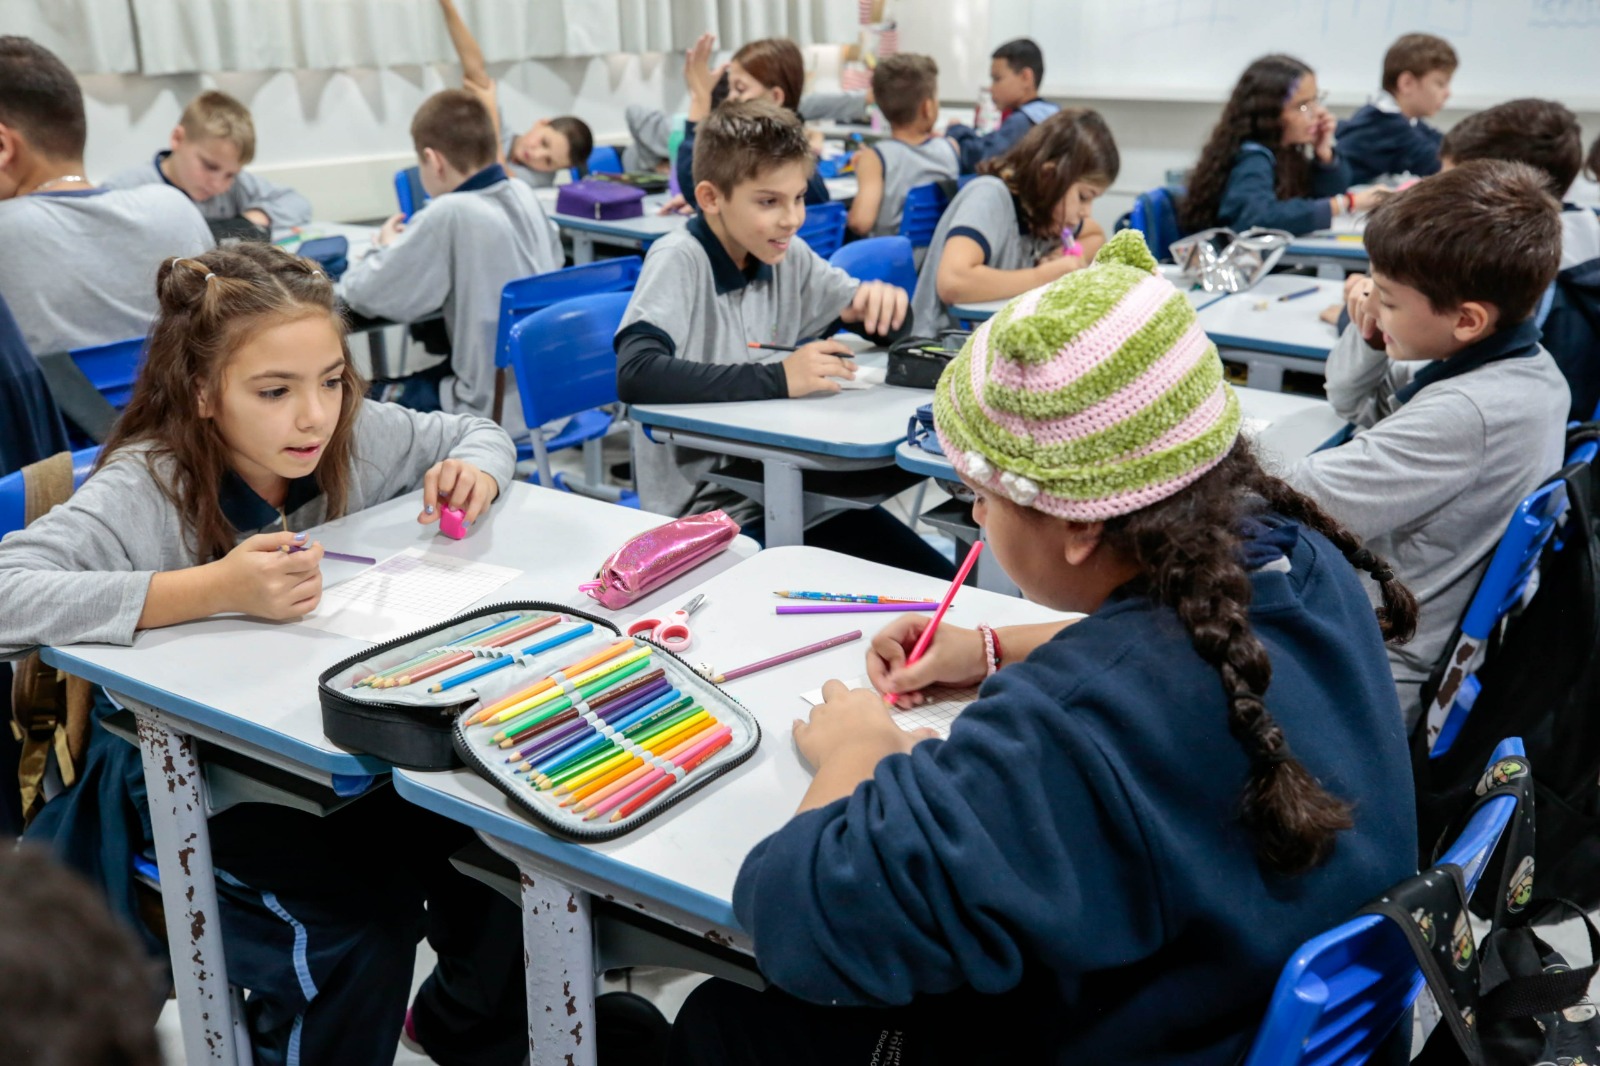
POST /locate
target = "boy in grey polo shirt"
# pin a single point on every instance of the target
(738, 275)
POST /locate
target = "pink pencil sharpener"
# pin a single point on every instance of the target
(452, 523)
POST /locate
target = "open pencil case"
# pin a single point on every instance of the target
(575, 704)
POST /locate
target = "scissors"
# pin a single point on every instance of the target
(671, 632)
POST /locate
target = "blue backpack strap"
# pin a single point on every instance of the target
(1039, 110)
(1257, 146)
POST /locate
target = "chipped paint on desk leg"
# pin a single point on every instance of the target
(188, 891)
(558, 957)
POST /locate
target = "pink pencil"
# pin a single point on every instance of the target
(938, 616)
(707, 742)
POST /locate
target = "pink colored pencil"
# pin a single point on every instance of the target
(459, 657)
(938, 616)
(668, 780)
(720, 734)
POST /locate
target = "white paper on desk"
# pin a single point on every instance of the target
(404, 592)
(866, 377)
(938, 712)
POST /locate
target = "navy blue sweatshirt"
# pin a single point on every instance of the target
(1377, 141)
(1250, 197)
(1080, 823)
(816, 188)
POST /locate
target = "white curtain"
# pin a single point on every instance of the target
(184, 36)
(90, 36)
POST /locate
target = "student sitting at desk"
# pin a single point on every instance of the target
(735, 276)
(1016, 70)
(1544, 134)
(907, 90)
(1023, 221)
(769, 69)
(1146, 811)
(80, 261)
(246, 423)
(1253, 170)
(214, 141)
(1388, 137)
(1459, 412)
(480, 230)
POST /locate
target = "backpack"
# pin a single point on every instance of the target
(1508, 999)
(1571, 333)
(49, 708)
(1540, 680)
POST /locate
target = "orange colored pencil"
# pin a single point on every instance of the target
(668, 738)
(510, 636)
(689, 729)
(594, 799)
(668, 780)
(539, 686)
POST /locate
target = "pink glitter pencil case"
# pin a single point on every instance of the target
(657, 556)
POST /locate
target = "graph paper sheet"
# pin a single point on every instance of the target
(404, 592)
(941, 708)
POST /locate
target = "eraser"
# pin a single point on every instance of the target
(452, 523)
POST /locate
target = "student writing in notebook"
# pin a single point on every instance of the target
(1024, 221)
(1145, 811)
(247, 418)
(907, 90)
(1254, 170)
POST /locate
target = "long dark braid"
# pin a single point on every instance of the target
(1186, 547)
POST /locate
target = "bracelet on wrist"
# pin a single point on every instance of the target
(991, 649)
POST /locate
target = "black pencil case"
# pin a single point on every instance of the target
(917, 362)
(415, 727)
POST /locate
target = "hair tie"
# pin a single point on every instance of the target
(209, 276)
(1362, 559)
(318, 274)
(1383, 575)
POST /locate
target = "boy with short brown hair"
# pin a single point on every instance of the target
(214, 140)
(906, 88)
(1387, 137)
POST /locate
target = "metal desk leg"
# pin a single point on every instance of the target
(558, 956)
(785, 502)
(188, 890)
(582, 248)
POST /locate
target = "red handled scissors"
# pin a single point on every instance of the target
(671, 632)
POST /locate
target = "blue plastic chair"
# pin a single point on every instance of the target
(889, 259)
(566, 368)
(1501, 588)
(1155, 214)
(523, 296)
(408, 191)
(920, 216)
(823, 228)
(605, 160)
(13, 494)
(112, 368)
(1343, 992)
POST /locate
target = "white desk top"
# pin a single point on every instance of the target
(854, 423)
(982, 310)
(1342, 240)
(1279, 327)
(690, 855)
(258, 680)
(360, 237)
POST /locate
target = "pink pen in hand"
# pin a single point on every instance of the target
(1070, 245)
(452, 523)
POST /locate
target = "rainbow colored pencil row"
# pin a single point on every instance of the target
(560, 752)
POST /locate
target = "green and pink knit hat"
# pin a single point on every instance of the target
(1091, 397)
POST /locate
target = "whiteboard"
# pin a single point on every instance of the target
(1196, 49)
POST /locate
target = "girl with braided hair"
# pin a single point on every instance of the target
(247, 422)
(1147, 809)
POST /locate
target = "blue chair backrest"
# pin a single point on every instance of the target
(112, 368)
(1343, 992)
(1155, 214)
(1515, 559)
(14, 497)
(920, 216)
(888, 259)
(524, 296)
(605, 160)
(563, 357)
(823, 228)
(408, 191)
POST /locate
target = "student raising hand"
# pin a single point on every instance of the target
(457, 484)
(699, 77)
(878, 307)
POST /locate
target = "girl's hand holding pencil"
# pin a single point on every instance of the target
(461, 485)
(262, 577)
(955, 658)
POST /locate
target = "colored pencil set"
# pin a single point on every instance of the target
(507, 634)
(603, 735)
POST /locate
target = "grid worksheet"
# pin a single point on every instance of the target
(941, 708)
(404, 592)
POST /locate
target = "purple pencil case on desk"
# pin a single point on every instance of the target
(603, 201)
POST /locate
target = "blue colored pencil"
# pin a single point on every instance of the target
(572, 746)
(498, 664)
(425, 656)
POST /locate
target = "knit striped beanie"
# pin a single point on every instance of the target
(1091, 397)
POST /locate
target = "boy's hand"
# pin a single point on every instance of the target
(879, 307)
(813, 368)
(461, 485)
(261, 577)
(259, 217)
(392, 229)
(1362, 305)
(678, 205)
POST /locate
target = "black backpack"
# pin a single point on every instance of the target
(1571, 333)
(1540, 681)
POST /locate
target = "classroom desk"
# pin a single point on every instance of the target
(249, 688)
(1333, 251)
(680, 868)
(856, 429)
(983, 310)
(1270, 336)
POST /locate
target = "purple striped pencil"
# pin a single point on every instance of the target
(786, 657)
(854, 608)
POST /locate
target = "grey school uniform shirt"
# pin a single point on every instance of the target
(84, 569)
(985, 211)
(79, 268)
(458, 253)
(685, 336)
(1430, 484)
(247, 193)
(906, 166)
